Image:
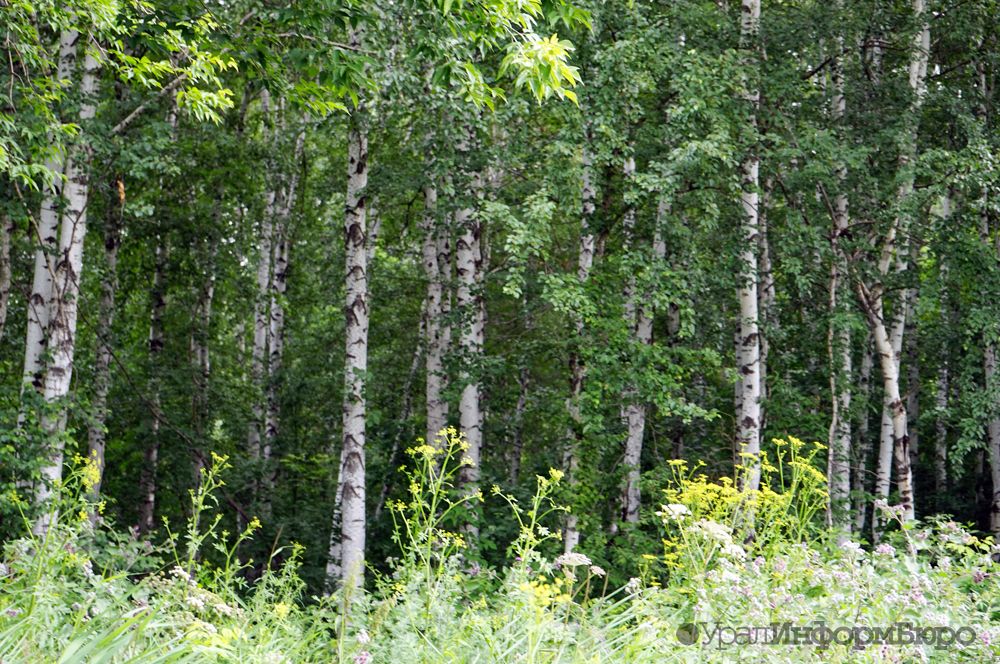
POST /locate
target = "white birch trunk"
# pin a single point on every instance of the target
(436, 264)
(347, 551)
(468, 268)
(276, 327)
(585, 262)
(261, 314)
(748, 348)
(65, 296)
(841, 369)
(151, 452)
(888, 342)
(48, 241)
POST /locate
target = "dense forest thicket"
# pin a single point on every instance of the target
(593, 237)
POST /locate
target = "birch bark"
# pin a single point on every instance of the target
(347, 550)
(748, 347)
(64, 300)
(48, 240)
(578, 369)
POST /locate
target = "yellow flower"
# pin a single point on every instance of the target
(555, 474)
(282, 610)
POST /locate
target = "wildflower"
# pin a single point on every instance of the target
(363, 657)
(713, 530)
(3, 570)
(978, 576)
(180, 573)
(13, 613)
(633, 585)
(887, 550)
(851, 547)
(572, 559)
(196, 602)
(597, 571)
(780, 565)
(281, 609)
(675, 511)
(363, 637)
(758, 562)
(734, 551)
(254, 524)
(223, 609)
(555, 475)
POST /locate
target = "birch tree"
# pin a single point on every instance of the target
(748, 341)
(63, 305)
(347, 548)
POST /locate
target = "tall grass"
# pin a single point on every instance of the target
(731, 559)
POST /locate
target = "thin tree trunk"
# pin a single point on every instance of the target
(635, 411)
(941, 432)
(97, 428)
(578, 368)
(517, 442)
(346, 559)
(469, 298)
(766, 293)
(6, 235)
(859, 480)
(65, 299)
(276, 328)
(841, 369)
(262, 314)
(437, 264)
(404, 416)
(151, 453)
(748, 348)
(201, 336)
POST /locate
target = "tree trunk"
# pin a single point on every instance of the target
(201, 336)
(941, 432)
(585, 261)
(347, 550)
(262, 314)
(276, 327)
(766, 293)
(839, 340)
(437, 268)
(97, 428)
(859, 480)
(469, 298)
(635, 411)
(894, 405)
(151, 453)
(48, 241)
(888, 342)
(748, 348)
(517, 442)
(65, 298)
(6, 235)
